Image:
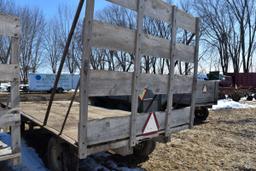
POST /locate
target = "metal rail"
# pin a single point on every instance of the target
(63, 58)
(69, 108)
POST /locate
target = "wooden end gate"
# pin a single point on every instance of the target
(127, 131)
(10, 116)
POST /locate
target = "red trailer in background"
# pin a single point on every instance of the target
(237, 85)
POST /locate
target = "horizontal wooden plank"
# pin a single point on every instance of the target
(185, 21)
(111, 129)
(119, 38)
(54, 131)
(109, 83)
(208, 97)
(5, 151)
(9, 25)
(162, 11)
(9, 156)
(7, 120)
(8, 72)
(124, 143)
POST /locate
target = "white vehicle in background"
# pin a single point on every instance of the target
(45, 82)
(4, 87)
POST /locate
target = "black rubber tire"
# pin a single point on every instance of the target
(55, 155)
(249, 98)
(201, 114)
(60, 90)
(60, 156)
(50, 91)
(236, 97)
(144, 149)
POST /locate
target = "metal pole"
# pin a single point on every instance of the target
(65, 52)
(69, 108)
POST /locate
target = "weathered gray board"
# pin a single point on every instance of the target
(136, 73)
(109, 83)
(209, 97)
(85, 78)
(9, 26)
(124, 38)
(8, 72)
(7, 119)
(162, 11)
(110, 129)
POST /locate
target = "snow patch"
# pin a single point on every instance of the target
(30, 160)
(230, 104)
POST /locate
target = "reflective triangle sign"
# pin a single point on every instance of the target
(151, 126)
(205, 89)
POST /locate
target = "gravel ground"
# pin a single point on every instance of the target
(226, 142)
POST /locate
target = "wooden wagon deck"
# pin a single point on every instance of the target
(36, 110)
(104, 125)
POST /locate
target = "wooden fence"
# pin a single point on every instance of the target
(10, 116)
(105, 83)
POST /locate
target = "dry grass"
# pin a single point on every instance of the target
(226, 142)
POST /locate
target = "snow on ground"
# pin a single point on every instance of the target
(30, 160)
(230, 104)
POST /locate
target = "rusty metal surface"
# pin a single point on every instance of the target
(243, 80)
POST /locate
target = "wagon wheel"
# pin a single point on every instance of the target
(60, 156)
(236, 96)
(249, 98)
(55, 155)
(201, 114)
(144, 148)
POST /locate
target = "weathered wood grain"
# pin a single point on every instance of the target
(110, 129)
(171, 75)
(162, 11)
(194, 85)
(7, 120)
(110, 83)
(135, 76)
(85, 79)
(8, 72)
(119, 38)
(9, 26)
(202, 98)
(124, 143)
(104, 125)
(9, 156)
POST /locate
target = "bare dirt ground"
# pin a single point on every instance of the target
(226, 142)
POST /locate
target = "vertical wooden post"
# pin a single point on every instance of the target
(84, 76)
(194, 86)
(15, 99)
(171, 72)
(136, 73)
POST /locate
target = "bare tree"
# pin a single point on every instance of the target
(64, 21)
(6, 7)
(121, 61)
(52, 46)
(217, 28)
(230, 27)
(32, 29)
(244, 12)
